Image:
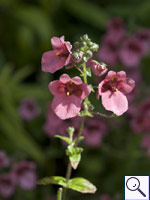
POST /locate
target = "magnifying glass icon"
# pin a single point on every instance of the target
(133, 184)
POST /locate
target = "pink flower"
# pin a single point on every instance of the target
(7, 185)
(108, 52)
(68, 95)
(116, 30)
(144, 36)
(141, 117)
(131, 52)
(29, 109)
(24, 173)
(59, 57)
(95, 130)
(98, 68)
(53, 124)
(113, 90)
(4, 160)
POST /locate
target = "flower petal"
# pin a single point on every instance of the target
(86, 90)
(126, 86)
(110, 74)
(64, 78)
(115, 102)
(57, 42)
(53, 87)
(51, 63)
(66, 107)
(77, 80)
(99, 92)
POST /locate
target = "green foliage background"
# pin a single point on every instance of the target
(26, 27)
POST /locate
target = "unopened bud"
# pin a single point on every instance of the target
(89, 54)
(95, 47)
(84, 43)
(85, 37)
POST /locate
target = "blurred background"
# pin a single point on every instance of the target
(113, 147)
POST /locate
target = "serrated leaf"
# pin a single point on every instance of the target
(58, 180)
(81, 185)
(66, 139)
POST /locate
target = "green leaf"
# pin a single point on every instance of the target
(75, 159)
(81, 185)
(58, 180)
(92, 89)
(70, 130)
(66, 139)
(74, 154)
(88, 72)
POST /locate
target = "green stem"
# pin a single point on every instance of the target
(59, 194)
(84, 72)
(80, 131)
(103, 115)
(69, 168)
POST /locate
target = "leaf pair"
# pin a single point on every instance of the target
(78, 184)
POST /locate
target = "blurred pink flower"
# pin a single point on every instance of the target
(68, 95)
(105, 197)
(144, 36)
(116, 30)
(95, 130)
(53, 124)
(7, 185)
(141, 117)
(113, 90)
(29, 109)
(131, 52)
(24, 173)
(59, 57)
(108, 52)
(98, 68)
(4, 160)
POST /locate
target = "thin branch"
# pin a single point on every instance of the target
(104, 115)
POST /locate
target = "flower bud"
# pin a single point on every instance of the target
(95, 47)
(84, 43)
(98, 68)
(85, 37)
(89, 54)
(77, 56)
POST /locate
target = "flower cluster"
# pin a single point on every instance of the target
(69, 93)
(119, 48)
(22, 174)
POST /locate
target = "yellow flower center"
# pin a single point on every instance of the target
(58, 53)
(112, 78)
